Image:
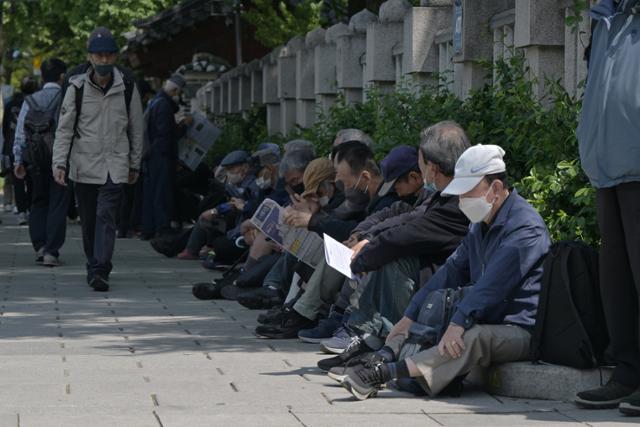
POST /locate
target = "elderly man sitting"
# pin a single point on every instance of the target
(500, 261)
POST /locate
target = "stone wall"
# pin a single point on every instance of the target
(442, 39)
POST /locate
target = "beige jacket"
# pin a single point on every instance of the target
(108, 143)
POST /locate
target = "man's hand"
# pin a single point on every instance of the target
(59, 175)
(357, 248)
(353, 240)
(452, 342)
(400, 328)
(133, 176)
(208, 215)
(19, 171)
(239, 204)
(187, 120)
(296, 218)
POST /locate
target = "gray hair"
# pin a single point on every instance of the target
(442, 144)
(170, 86)
(296, 160)
(299, 144)
(346, 135)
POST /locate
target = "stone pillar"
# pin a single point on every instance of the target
(217, 95)
(540, 31)
(382, 38)
(224, 94)
(420, 53)
(305, 78)
(575, 40)
(476, 42)
(351, 50)
(287, 81)
(325, 56)
(270, 91)
(244, 95)
(234, 91)
(255, 68)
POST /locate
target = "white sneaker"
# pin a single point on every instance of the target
(8, 207)
(22, 219)
(50, 261)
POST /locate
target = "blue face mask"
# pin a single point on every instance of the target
(430, 187)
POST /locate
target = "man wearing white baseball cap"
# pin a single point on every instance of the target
(500, 261)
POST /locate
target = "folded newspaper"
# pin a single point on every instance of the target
(200, 137)
(305, 245)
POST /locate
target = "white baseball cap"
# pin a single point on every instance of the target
(473, 165)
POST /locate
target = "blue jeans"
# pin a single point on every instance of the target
(48, 218)
(98, 208)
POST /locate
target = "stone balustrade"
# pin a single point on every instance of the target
(440, 41)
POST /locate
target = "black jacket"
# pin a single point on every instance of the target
(163, 132)
(430, 232)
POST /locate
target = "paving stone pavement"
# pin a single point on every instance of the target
(149, 354)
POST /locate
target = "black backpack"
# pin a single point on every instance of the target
(39, 128)
(570, 325)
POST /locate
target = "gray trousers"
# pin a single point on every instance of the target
(385, 297)
(485, 344)
(98, 207)
(320, 291)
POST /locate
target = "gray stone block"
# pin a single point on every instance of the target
(436, 3)
(335, 31)
(234, 95)
(286, 75)
(531, 381)
(256, 86)
(288, 115)
(305, 112)
(381, 39)
(359, 22)
(477, 38)
(245, 93)
(305, 69)
(325, 69)
(393, 11)
(545, 62)
(270, 84)
(421, 24)
(315, 37)
(273, 119)
(539, 22)
(349, 61)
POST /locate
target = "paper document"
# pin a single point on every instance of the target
(299, 242)
(200, 137)
(338, 256)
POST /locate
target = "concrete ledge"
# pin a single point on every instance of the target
(531, 381)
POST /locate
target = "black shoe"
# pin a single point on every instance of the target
(608, 396)
(206, 291)
(630, 405)
(99, 284)
(355, 349)
(291, 324)
(146, 236)
(364, 382)
(260, 298)
(274, 316)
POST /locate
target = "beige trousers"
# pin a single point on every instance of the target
(485, 344)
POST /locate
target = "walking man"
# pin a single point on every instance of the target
(32, 151)
(100, 133)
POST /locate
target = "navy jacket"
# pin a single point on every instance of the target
(504, 265)
(162, 130)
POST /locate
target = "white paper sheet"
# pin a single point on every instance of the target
(338, 256)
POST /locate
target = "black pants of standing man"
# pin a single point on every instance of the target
(98, 209)
(619, 220)
(48, 219)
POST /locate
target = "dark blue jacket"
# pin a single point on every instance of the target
(504, 265)
(162, 130)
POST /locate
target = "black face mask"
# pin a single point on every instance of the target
(298, 189)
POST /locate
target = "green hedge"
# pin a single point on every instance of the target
(538, 136)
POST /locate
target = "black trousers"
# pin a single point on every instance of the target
(619, 220)
(48, 219)
(22, 193)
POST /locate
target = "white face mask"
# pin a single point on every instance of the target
(234, 178)
(323, 201)
(263, 184)
(476, 208)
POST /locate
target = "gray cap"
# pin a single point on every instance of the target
(235, 158)
(178, 79)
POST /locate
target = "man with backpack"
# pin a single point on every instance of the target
(32, 150)
(610, 156)
(499, 264)
(98, 144)
(21, 187)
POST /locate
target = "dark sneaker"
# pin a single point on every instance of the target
(262, 298)
(340, 340)
(231, 292)
(608, 396)
(99, 284)
(289, 328)
(364, 382)
(357, 347)
(325, 330)
(40, 256)
(207, 291)
(274, 316)
(630, 405)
